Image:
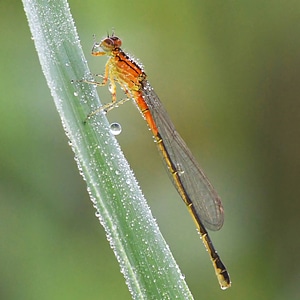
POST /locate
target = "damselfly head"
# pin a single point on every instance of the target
(110, 43)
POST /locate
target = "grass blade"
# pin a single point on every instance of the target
(145, 260)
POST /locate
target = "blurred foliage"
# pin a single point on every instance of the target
(227, 72)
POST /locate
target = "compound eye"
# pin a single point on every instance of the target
(107, 44)
(117, 42)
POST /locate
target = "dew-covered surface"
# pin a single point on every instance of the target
(145, 260)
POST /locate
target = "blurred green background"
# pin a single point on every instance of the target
(228, 73)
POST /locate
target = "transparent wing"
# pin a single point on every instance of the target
(205, 200)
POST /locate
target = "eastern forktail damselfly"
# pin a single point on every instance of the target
(198, 194)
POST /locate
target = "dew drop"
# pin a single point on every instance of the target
(115, 128)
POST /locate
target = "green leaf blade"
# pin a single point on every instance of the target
(148, 266)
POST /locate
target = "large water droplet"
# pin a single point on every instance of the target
(115, 128)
